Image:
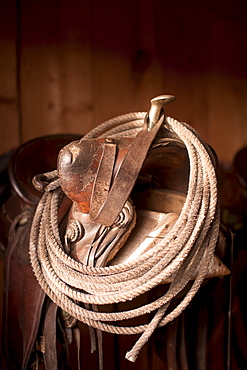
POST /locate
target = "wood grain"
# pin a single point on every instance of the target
(55, 67)
(9, 122)
(82, 63)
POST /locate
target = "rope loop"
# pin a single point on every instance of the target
(185, 252)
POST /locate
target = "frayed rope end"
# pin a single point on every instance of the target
(132, 355)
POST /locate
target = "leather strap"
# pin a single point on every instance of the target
(103, 178)
(49, 332)
(125, 178)
(77, 336)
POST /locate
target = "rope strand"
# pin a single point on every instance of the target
(190, 243)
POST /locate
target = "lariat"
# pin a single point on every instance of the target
(185, 253)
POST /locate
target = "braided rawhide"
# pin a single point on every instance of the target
(185, 252)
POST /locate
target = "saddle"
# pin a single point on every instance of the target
(21, 289)
(118, 195)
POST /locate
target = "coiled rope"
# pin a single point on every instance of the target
(185, 252)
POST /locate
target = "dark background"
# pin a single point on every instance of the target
(66, 66)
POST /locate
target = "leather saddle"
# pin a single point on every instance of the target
(164, 166)
(23, 328)
(21, 290)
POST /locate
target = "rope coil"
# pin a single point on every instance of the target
(186, 250)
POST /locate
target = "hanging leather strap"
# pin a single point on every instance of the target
(108, 207)
(49, 333)
(103, 178)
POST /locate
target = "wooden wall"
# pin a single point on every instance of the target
(66, 66)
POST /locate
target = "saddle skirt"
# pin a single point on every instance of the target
(23, 297)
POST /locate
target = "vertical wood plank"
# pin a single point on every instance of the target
(182, 44)
(123, 57)
(9, 125)
(226, 118)
(55, 67)
(228, 78)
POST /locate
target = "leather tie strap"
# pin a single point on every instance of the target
(49, 332)
(108, 207)
(103, 178)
